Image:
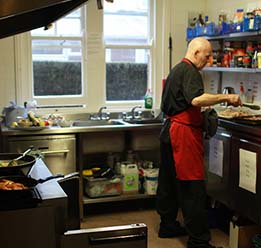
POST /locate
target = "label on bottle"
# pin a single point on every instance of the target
(148, 102)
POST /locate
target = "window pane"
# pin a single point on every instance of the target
(58, 50)
(56, 67)
(69, 25)
(126, 22)
(126, 74)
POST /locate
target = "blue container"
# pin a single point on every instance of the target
(191, 33)
(226, 28)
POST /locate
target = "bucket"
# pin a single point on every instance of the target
(151, 181)
(130, 182)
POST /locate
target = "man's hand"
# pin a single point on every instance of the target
(234, 100)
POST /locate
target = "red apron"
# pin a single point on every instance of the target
(187, 143)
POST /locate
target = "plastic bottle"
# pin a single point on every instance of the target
(242, 92)
(249, 96)
(148, 100)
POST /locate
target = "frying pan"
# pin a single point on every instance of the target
(29, 182)
(24, 164)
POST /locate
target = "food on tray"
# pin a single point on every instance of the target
(31, 121)
(5, 163)
(253, 118)
(232, 113)
(10, 185)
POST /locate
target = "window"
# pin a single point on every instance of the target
(127, 36)
(57, 58)
(91, 58)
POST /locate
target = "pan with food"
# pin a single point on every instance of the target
(19, 186)
(22, 165)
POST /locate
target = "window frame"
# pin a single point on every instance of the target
(91, 100)
(150, 46)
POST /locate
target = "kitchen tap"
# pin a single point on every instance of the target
(100, 114)
(133, 111)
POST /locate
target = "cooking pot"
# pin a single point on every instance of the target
(12, 112)
(24, 165)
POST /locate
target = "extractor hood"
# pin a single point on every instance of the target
(17, 16)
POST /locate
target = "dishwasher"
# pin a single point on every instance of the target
(58, 150)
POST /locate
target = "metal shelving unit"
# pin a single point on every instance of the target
(123, 197)
(240, 36)
(232, 69)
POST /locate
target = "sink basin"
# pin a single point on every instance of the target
(143, 121)
(93, 123)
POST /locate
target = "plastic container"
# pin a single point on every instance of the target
(151, 181)
(99, 187)
(130, 181)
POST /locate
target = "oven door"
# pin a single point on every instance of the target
(127, 236)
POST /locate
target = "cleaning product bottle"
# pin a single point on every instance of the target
(148, 100)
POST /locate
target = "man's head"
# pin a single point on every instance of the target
(199, 51)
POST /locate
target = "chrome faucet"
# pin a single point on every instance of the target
(133, 110)
(100, 114)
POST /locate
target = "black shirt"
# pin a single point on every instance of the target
(184, 83)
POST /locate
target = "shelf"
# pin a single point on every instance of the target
(232, 69)
(238, 35)
(234, 35)
(123, 197)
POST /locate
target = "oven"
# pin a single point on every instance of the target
(55, 221)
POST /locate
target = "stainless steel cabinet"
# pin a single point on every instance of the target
(58, 150)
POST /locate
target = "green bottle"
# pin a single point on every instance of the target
(148, 100)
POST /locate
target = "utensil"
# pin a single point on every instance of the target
(13, 162)
(251, 106)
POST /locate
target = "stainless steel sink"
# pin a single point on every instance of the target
(92, 123)
(143, 121)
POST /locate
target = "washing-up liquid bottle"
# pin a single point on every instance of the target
(148, 100)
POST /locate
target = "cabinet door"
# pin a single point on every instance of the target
(245, 177)
(58, 150)
(218, 166)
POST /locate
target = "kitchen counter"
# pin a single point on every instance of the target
(241, 128)
(68, 130)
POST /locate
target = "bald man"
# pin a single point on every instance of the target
(182, 147)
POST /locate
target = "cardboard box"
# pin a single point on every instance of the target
(241, 236)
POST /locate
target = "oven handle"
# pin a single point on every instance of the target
(114, 239)
(55, 152)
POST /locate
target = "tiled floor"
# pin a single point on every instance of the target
(151, 219)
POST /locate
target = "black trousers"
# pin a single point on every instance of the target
(167, 193)
(173, 194)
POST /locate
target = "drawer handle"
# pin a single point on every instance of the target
(225, 135)
(115, 239)
(57, 151)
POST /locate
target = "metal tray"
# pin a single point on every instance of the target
(246, 120)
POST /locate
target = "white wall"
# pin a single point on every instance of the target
(7, 69)
(179, 13)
